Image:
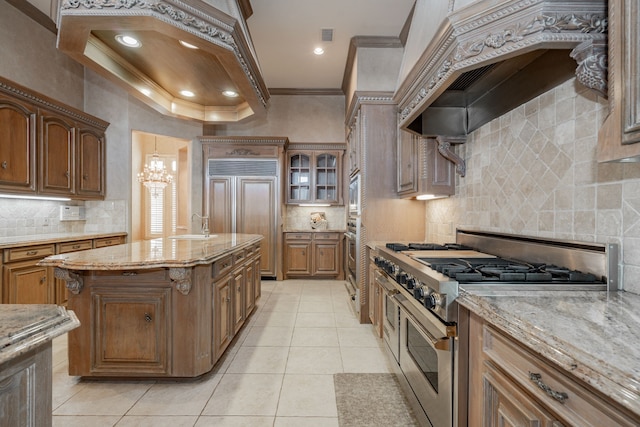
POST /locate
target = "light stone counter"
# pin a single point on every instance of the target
(42, 239)
(594, 336)
(24, 327)
(156, 253)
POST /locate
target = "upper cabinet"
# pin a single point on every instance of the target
(619, 137)
(315, 175)
(48, 148)
(17, 145)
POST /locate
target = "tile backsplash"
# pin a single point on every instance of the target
(534, 172)
(22, 217)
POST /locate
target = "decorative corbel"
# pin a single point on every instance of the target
(181, 277)
(73, 280)
(444, 148)
(591, 56)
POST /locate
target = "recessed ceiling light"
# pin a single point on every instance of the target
(230, 93)
(128, 41)
(318, 51)
(189, 45)
(187, 93)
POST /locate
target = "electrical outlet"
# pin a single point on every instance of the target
(45, 222)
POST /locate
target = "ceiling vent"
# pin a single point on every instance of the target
(327, 34)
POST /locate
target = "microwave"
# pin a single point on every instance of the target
(354, 195)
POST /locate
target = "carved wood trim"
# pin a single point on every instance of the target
(359, 98)
(74, 281)
(591, 57)
(444, 147)
(181, 278)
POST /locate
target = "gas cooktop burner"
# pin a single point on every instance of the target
(467, 270)
(399, 247)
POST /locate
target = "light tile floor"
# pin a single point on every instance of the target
(278, 372)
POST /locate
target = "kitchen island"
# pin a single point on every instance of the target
(26, 332)
(166, 307)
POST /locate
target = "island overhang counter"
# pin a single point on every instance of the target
(166, 307)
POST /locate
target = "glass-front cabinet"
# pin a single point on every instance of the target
(315, 176)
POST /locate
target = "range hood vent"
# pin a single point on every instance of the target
(488, 59)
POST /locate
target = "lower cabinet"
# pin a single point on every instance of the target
(511, 386)
(223, 311)
(23, 281)
(313, 254)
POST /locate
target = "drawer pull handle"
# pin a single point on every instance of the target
(560, 396)
(129, 273)
(32, 252)
(147, 317)
(43, 279)
(4, 164)
(75, 246)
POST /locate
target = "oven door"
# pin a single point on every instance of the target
(426, 360)
(390, 314)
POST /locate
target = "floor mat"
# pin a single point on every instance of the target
(371, 400)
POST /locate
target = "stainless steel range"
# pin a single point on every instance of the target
(422, 281)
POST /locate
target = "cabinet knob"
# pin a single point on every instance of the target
(147, 317)
(4, 164)
(85, 177)
(43, 279)
(66, 174)
(228, 299)
(302, 253)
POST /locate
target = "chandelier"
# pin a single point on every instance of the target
(155, 176)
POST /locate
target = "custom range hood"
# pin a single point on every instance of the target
(491, 56)
(192, 59)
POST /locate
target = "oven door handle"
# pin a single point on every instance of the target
(384, 282)
(443, 343)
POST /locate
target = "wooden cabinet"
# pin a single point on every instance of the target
(510, 385)
(17, 146)
(313, 254)
(70, 145)
(24, 282)
(619, 137)
(236, 290)
(132, 327)
(421, 168)
(314, 176)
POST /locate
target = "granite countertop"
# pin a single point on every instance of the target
(156, 253)
(42, 239)
(594, 336)
(24, 327)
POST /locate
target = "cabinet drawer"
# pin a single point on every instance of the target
(158, 276)
(252, 250)
(83, 245)
(239, 256)
(222, 266)
(327, 236)
(108, 241)
(298, 236)
(581, 406)
(28, 252)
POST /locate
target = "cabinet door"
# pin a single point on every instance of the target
(506, 405)
(222, 315)
(297, 258)
(326, 257)
(257, 279)
(57, 153)
(326, 173)
(132, 330)
(17, 146)
(91, 163)
(257, 200)
(239, 285)
(299, 178)
(407, 169)
(27, 283)
(250, 288)
(220, 204)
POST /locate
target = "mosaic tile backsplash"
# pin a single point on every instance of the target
(534, 172)
(20, 217)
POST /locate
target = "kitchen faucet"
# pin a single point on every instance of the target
(204, 227)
